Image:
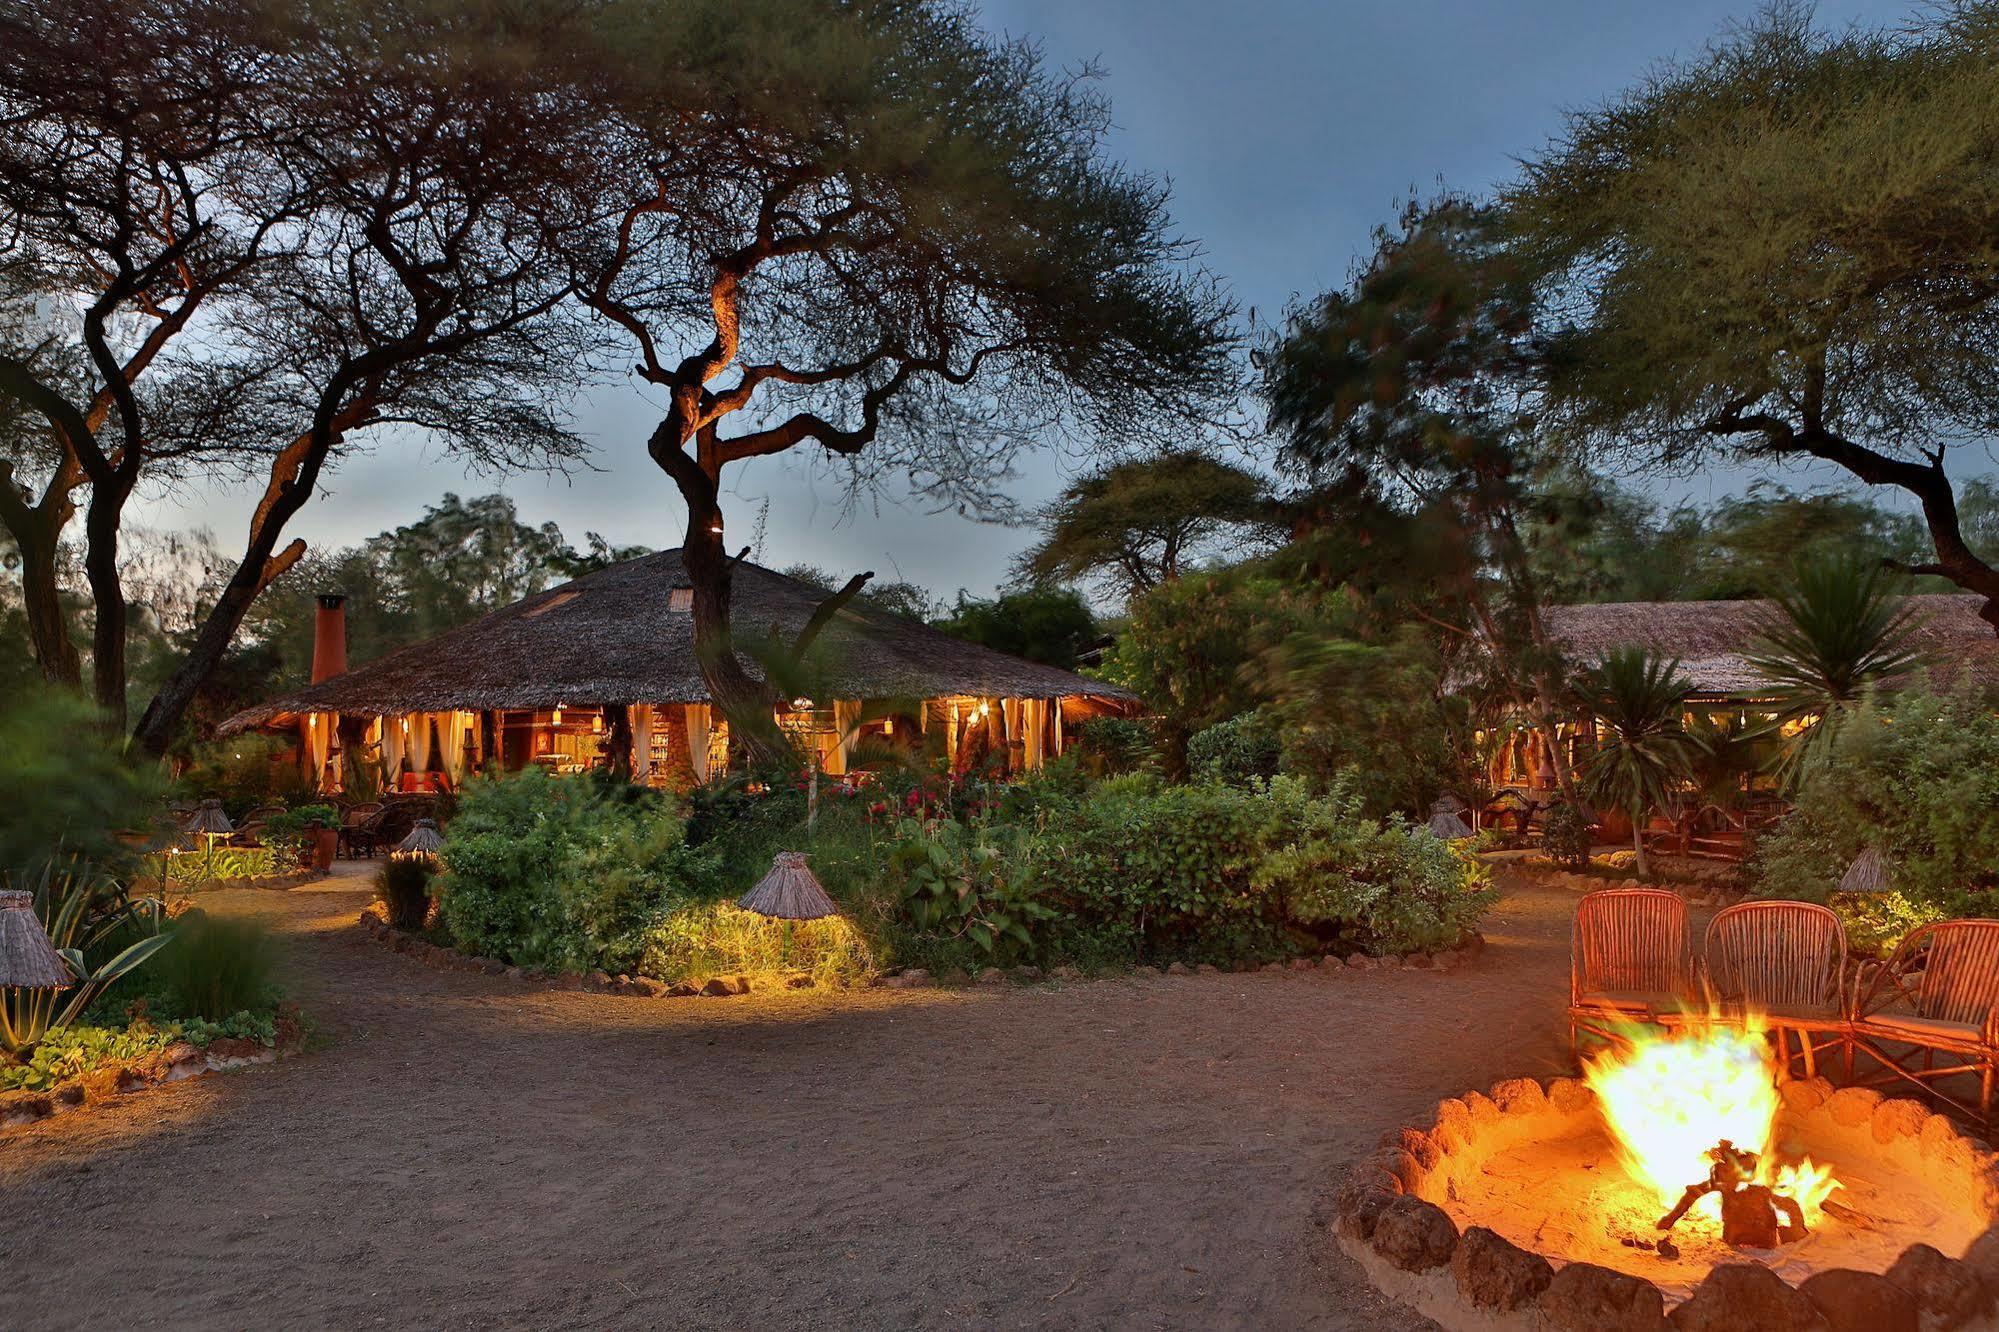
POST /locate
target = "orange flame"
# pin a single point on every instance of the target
(1671, 1098)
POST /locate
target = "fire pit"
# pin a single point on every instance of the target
(1678, 1172)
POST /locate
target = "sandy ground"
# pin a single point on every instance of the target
(468, 1152)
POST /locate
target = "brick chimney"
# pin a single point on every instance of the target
(329, 637)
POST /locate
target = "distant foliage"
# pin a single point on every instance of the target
(564, 873)
(245, 771)
(1111, 746)
(1235, 752)
(1917, 777)
(67, 789)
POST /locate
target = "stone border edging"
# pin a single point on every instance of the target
(177, 1063)
(1413, 1251)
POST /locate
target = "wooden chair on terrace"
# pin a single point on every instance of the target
(1938, 995)
(1785, 961)
(357, 828)
(1628, 961)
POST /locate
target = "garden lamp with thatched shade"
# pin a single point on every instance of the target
(209, 823)
(423, 840)
(1448, 824)
(789, 892)
(1867, 874)
(28, 960)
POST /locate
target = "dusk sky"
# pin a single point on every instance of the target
(1288, 128)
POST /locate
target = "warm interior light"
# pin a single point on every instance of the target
(985, 708)
(801, 704)
(556, 716)
(597, 724)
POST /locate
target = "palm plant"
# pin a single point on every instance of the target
(1644, 749)
(81, 916)
(1842, 628)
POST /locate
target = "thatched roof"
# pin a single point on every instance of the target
(1713, 639)
(610, 637)
(27, 959)
(791, 891)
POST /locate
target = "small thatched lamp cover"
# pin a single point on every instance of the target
(28, 960)
(1448, 823)
(424, 839)
(209, 820)
(1867, 874)
(789, 892)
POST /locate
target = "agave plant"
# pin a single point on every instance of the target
(1842, 628)
(81, 914)
(1645, 750)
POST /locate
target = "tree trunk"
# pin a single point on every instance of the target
(107, 593)
(1638, 844)
(618, 740)
(744, 702)
(48, 627)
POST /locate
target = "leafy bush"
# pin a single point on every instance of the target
(218, 965)
(971, 883)
(564, 873)
(402, 885)
(1916, 777)
(696, 942)
(1567, 834)
(286, 832)
(76, 1050)
(68, 790)
(1235, 752)
(1111, 746)
(198, 866)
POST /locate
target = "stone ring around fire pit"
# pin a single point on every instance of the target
(1513, 1211)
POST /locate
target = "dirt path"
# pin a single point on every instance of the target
(472, 1153)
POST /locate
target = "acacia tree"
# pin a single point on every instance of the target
(285, 232)
(1137, 523)
(1788, 248)
(1408, 401)
(873, 229)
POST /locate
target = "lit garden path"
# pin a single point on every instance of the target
(470, 1152)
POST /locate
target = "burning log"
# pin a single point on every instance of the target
(1752, 1215)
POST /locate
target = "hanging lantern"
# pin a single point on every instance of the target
(555, 719)
(28, 961)
(789, 892)
(597, 724)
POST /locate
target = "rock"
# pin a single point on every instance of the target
(1484, 1110)
(233, 1047)
(1388, 962)
(492, 966)
(1206, 969)
(1583, 1297)
(915, 978)
(1360, 1204)
(1747, 1297)
(1304, 963)
(1859, 1301)
(1447, 961)
(953, 976)
(651, 987)
(801, 981)
(992, 976)
(683, 990)
(742, 985)
(1947, 1293)
(599, 980)
(1983, 1258)
(1275, 966)
(1494, 1273)
(1519, 1096)
(1026, 974)
(1332, 962)
(19, 1107)
(1419, 961)
(1145, 973)
(717, 986)
(1937, 1136)
(1176, 969)
(1067, 972)
(1570, 1095)
(1853, 1106)
(1899, 1118)
(1803, 1097)
(1359, 961)
(515, 973)
(184, 1052)
(1414, 1235)
(569, 980)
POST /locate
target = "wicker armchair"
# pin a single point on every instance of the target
(1628, 961)
(359, 825)
(1937, 996)
(1786, 962)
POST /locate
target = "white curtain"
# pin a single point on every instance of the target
(1057, 728)
(420, 741)
(1010, 729)
(951, 733)
(642, 742)
(698, 718)
(392, 751)
(318, 737)
(455, 727)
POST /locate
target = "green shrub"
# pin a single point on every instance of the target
(286, 833)
(202, 864)
(1236, 752)
(693, 943)
(67, 790)
(976, 884)
(564, 874)
(402, 885)
(217, 965)
(1110, 746)
(1916, 777)
(1566, 834)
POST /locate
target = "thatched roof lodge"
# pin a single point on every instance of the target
(547, 679)
(1714, 641)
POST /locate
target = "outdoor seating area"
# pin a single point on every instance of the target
(1926, 1017)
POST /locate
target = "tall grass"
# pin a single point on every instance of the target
(217, 966)
(718, 939)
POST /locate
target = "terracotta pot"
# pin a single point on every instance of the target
(323, 844)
